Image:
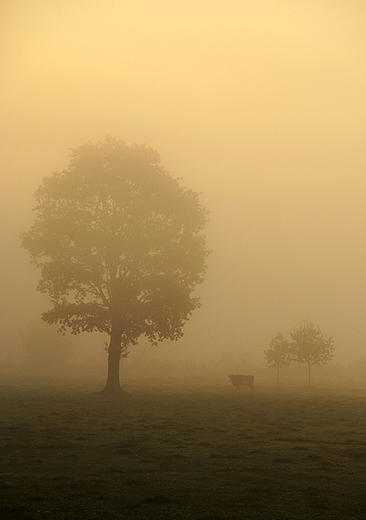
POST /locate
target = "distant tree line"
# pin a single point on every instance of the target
(307, 345)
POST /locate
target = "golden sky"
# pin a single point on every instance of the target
(259, 105)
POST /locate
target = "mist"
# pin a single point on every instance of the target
(258, 105)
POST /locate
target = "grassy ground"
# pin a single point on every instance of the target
(180, 453)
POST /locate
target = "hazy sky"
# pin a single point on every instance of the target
(260, 105)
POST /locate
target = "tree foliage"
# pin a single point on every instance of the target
(310, 346)
(120, 245)
(278, 355)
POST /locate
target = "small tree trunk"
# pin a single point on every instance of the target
(309, 374)
(278, 375)
(114, 355)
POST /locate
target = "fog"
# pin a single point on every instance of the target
(258, 105)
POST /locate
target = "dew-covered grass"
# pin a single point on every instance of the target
(181, 453)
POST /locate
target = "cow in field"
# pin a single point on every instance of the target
(238, 381)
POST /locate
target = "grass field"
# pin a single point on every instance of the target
(179, 452)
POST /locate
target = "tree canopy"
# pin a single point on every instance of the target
(310, 346)
(278, 355)
(120, 245)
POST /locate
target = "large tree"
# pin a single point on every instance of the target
(310, 346)
(278, 355)
(120, 245)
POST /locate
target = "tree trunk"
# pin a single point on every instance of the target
(309, 374)
(278, 375)
(114, 355)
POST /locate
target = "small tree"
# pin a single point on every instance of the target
(278, 355)
(121, 247)
(310, 346)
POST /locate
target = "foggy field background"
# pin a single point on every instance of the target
(258, 105)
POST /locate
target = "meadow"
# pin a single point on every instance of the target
(181, 452)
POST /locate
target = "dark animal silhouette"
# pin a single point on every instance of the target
(238, 381)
